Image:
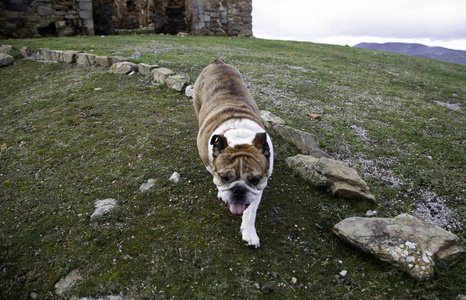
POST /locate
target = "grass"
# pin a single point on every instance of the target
(73, 136)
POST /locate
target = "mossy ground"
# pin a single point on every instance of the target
(73, 136)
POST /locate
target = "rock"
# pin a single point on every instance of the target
(189, 91)
(85, 60)
(294, 280)
(67, 282)
(270, 120)
(123, 67)
(57, 55)
(177, 82)
(26, 51)
(267, 288)
(175, 177)
(69, 56)
(47, 54)
(343, 273)
(103, 207)
(160, 75)
(6, 49)
(147, 185)
(104, 61)
(118, 59)
(304, 141)
(405, 241)
(342, 180)
(6, 59)
(146, 69)
(371, 213)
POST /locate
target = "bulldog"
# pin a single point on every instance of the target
(232, 142)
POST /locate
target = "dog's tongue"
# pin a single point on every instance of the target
(237, 208)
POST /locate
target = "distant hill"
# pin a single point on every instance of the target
(437, 53)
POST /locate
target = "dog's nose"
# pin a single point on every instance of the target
(239, 192)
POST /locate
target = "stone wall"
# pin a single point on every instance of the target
(222, 18)
(46, 18)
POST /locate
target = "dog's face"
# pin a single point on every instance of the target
(240, 172)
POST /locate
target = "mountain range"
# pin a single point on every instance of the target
(437, 53)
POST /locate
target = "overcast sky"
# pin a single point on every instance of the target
(346, 22)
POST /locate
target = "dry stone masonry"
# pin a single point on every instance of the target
(116, 65)
(46, 18)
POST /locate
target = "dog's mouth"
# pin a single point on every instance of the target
(237, 208)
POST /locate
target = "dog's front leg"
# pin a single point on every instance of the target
(248, 229)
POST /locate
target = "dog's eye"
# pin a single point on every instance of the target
(224, 178)
(254, 180)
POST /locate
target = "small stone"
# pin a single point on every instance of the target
(371, 213)
(6, 59)
(267, 288)
(67, 282)
(175, 178)
(343, 273)
(33, 295)
(189, 91)
(273, 274)
(103, 207)
(147, 185)
(294, 280)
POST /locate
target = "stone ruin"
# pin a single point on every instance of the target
(49, 18)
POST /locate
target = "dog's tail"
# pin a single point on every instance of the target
(218, 60)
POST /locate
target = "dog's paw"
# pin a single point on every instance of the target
(250, 237)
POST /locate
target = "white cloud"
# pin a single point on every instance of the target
(432, 20)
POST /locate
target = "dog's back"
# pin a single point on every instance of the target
(220, 94)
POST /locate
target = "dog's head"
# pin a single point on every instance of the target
(240, 172)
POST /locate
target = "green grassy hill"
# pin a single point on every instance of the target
(71, 136)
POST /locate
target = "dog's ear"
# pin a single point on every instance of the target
(219, 143)
(260, 142)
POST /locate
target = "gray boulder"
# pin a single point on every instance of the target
(6, 59)
(85, 60)
(160, 75)
(146, 69)
(404, 241)
(342, 180)
(103, 61)
(6, 49)
(57, 55)
(123, 67)
(178, 82)
(69, 56)
(26, 51)
(305, 142)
